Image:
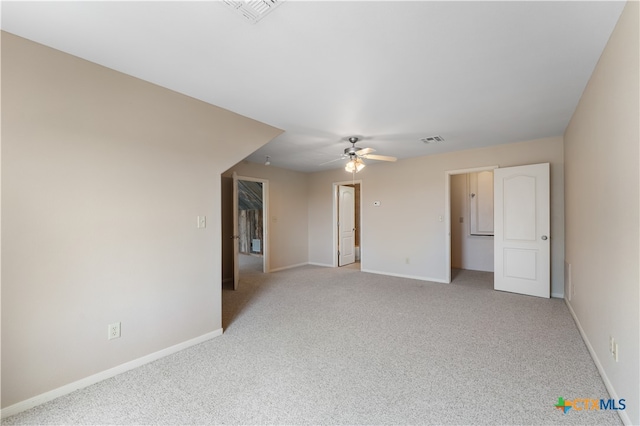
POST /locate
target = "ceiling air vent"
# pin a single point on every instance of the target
(253, 10)
(432, 139)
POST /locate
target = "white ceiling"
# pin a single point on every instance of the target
(476, 73)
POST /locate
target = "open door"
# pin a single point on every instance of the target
(522, 249)
(250, 233)
(346, 225)
(236, 234)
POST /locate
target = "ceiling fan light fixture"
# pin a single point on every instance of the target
(354, 165)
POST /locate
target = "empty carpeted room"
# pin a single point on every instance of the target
(316, 212)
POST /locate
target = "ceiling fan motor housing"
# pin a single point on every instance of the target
(351, 151)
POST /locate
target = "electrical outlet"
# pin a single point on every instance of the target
(114, 330)
(201, 222)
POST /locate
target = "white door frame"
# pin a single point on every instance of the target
(265, 221)
(447, 212)
(335, 217)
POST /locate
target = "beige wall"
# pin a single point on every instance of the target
(602, 205)
(288, 237)
(103, 176)
(412, 197)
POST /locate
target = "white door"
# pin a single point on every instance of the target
(522, 241)
(236, 234)
(346, 225)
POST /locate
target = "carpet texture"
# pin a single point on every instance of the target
(319, 345)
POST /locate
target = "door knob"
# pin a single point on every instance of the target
(544, 237)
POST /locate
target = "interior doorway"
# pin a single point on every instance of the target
(250, 223)
(250, 229)
(347, 223)
(469, 241)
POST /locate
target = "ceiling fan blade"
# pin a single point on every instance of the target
(365, 151)
(379, 157)
(330, 161)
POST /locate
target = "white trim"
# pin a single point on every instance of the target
(447, 212)
(607, 383)
(103, 375)
(284, 268)
(411, 277)
(557, 295)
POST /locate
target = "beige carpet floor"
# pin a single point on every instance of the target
(317, 345)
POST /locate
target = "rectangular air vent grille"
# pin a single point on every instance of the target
(253, 10)
(432, 139)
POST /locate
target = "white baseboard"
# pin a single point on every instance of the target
(557, 295)
(607, 383)
(412, 277)
(103, 375)
(283, 268)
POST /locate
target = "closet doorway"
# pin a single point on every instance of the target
(469, 241)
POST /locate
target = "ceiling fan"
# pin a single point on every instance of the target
(356, 156)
